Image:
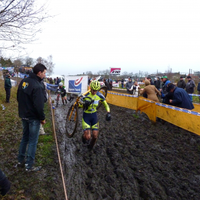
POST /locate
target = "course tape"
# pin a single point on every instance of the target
(161, 104)
(126, 95)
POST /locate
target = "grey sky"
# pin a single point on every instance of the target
(145, 35)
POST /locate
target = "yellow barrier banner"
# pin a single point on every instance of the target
(186, 119)
(196, 107)
(147, 106)
(122, 100)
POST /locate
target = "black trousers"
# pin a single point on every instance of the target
(7, 94)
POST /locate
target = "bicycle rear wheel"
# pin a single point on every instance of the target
(72, 121)
(103, 90)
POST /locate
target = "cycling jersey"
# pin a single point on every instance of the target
(90, 114)
(62, 91)
(93, 106)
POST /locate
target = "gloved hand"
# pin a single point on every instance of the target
(108, 116)
(86, 104)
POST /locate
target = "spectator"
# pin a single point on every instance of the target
(164, 94)
(4, 184)
(181, 83)
(129, 85)
(180, 97)
(135, 87)
(151, 91)
(106, 84)
(110, 83)
(190, 85)
(31, 98)
(122, 82)
(51, 81)
(157, 83)
(198, 89)
(7, 86)
(150, 80)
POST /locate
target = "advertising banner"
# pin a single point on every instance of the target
(76, 84)
(115, 71)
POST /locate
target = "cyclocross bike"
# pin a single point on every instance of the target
(72, 115)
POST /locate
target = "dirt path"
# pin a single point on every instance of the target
(133, 159)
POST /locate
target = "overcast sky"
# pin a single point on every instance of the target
(136, 35)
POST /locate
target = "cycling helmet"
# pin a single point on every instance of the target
(60, 84)
(95, 85)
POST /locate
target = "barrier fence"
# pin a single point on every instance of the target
(184, 118)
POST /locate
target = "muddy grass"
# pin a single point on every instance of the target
(133, 159)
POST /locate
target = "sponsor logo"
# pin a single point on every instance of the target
(115, 71)
(24, 85)
(75, 85)
(78, 81)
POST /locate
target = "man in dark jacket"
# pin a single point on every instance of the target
(129, 85)
(190, 85)
(7, 86)
(180, 97)
(164, 94)
(181, 83)
(31, 98)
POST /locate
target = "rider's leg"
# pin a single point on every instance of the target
(95, 134)
(86, 130)
(65, 99)
(87, 134)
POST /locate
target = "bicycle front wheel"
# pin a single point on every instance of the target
(103, 90)
(72, 121)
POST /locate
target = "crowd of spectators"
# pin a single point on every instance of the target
(162, 90)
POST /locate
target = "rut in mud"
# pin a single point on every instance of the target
(132, 159)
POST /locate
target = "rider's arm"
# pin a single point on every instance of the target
(106, 106)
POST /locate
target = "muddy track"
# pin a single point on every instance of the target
(133, 159)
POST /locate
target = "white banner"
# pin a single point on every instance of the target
(115, 71)
(76, 84)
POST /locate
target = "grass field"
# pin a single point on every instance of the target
(25, 185)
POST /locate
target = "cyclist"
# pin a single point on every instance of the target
(63, 92)
(90, 119)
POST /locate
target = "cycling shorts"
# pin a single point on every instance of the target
(90, 120)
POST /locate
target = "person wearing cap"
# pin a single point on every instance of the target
(129, 85)
(190, 85)
(164, 94)
(181, 83)
(180, 97)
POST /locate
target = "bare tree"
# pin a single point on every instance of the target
(20, 22)
(48, 63)
(29, 61)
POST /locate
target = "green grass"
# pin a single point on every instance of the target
(25, 185)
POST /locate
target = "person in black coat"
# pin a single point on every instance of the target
(181, 83)
(7, 86)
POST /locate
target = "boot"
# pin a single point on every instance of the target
(92, 143)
